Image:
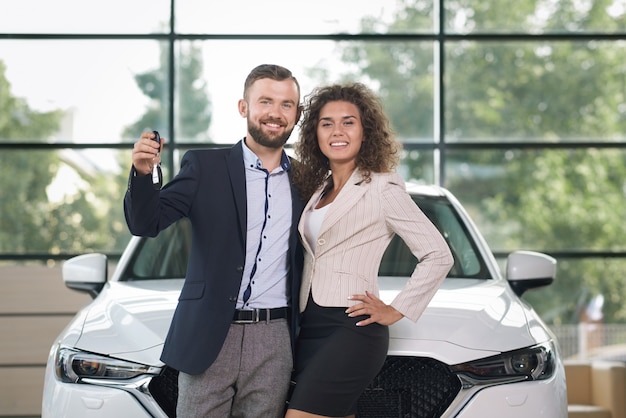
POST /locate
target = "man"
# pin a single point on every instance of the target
(230, 335)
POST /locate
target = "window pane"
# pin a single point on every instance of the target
(79, 16)
(400, 72)
(398, 259)
(564, 200)
(417, 166)
(162, 257)
(65, 201)
(303, 17)
(583, 284)
(535, 92)
(224, 83)
(544, 16)
(85, 91)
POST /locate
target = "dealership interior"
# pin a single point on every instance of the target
(516, 107)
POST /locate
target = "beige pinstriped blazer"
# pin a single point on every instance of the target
(352, 240)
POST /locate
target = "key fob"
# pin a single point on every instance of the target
(157, 174)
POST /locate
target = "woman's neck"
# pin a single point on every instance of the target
(340, 176)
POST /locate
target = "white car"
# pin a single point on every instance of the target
(478, 350)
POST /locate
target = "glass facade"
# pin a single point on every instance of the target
(519, 108)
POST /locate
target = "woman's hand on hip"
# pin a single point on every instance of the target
(377, 310)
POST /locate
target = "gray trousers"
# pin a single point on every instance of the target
(249, 379)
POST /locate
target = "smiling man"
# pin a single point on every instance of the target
(230, 335)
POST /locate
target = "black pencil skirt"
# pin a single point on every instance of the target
(335, 360)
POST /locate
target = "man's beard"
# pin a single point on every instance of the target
(266, 140)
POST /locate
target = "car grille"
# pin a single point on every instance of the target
(409, 387)
(164, 390)
(406, 387)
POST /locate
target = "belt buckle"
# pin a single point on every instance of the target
(256, 317)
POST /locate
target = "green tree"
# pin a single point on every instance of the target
(566, 200)
(29, 221)
(92, 219)
(522, 91)
(194, 121)
(194, 108)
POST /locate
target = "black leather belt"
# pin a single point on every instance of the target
(251, 316)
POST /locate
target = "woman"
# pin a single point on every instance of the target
(357, 203)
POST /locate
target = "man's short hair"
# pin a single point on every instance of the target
(271, 71)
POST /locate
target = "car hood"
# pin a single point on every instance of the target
(466, 320)
(129, 320)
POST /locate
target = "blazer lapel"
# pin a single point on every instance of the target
(349, 195)
(345, 200)
(312, 201)
(237, 176)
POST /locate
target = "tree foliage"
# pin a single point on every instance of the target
(24, 203)
(514, 91)
(89, 217)
(30, 221)
(194, 108)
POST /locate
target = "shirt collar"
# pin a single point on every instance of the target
(251, 160)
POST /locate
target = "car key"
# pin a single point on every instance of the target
(157, 174)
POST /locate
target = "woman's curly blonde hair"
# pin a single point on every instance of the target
(379, 151)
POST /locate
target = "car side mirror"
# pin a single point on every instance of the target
(528, 270)
(86, 273)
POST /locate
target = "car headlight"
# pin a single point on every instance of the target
(72, 366)
(532, 363)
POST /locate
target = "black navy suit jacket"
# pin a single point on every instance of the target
(210, 190)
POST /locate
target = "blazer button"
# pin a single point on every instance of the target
(321, 241)
(233, 299)
(239, 268)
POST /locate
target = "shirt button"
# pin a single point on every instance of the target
(321, 241)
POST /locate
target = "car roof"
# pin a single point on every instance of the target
(425, 189)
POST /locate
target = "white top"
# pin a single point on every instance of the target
(313, 223)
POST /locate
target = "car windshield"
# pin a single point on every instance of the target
(165, 257)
